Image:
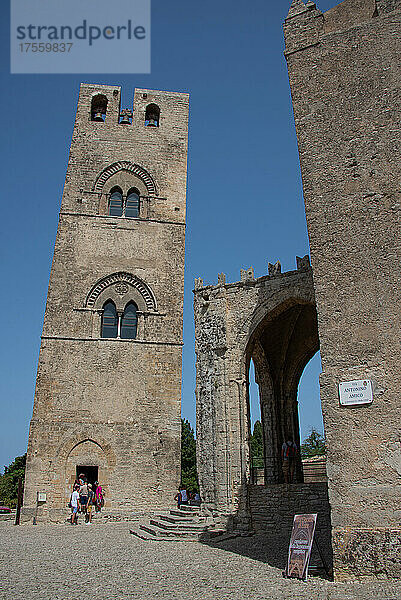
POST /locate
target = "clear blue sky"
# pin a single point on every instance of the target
(245, 202)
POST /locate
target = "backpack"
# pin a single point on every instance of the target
(290, 450)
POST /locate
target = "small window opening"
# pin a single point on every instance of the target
(99, 108)
(116, 203)
(132, 203)
(152, 115)
(109, 320)
(129, 322)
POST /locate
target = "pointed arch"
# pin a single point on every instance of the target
(109, 328)
(125, 165)
(129, 322)
(122, 277)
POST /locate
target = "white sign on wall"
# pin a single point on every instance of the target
(354, 392)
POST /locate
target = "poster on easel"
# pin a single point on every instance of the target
(303, 530)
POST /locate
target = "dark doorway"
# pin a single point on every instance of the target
(90, 472)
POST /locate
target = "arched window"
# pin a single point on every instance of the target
(116, 202)
(129, 322)
(99, 108)
(132, 204)
(109, 320)
(152, 115)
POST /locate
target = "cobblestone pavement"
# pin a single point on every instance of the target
(61, 562)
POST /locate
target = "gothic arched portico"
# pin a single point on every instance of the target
(280, 347)
(271, 320)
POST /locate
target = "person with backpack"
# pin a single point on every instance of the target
(181, 497)
(83, 495)
(91, 502)
(289, 452)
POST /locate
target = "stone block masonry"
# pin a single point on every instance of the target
(345, 78)
(272, 510)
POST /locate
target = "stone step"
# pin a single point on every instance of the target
(180, 527)
(186, 519)
(166, 533)
(186, 523)
(154, 532)
(146, 535)
(189, 508)
(182, 513)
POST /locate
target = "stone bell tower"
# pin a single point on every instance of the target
(108, 390)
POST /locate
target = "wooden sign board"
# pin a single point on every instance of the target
(303, 530)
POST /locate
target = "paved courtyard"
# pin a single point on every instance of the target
(61, 562)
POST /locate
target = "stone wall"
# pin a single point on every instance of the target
(345, 77)
(273, 507)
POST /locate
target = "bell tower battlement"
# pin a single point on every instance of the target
(148, 139)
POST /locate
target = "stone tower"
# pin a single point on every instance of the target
(108, 390)
(345, 78)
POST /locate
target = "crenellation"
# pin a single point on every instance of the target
(274, 269)
(303, 262)
(297, 7)
(247, 275)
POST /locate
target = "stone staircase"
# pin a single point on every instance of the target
(184, 524)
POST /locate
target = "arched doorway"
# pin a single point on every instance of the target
(280, 347)
(89, 458)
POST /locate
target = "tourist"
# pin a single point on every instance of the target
(99, 499)
(91, 500)
(289, 452)
(184, 496)
(194, 499)
(74, 505)
(181, 496)
(83, 495)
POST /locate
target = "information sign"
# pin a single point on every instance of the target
(354, 392)
(299, 552)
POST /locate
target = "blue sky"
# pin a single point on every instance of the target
(245, 202)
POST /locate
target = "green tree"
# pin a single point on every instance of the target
(189, 476)
(256, 444)
(313, 445)
(9, 481)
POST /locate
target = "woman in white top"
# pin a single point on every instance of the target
(74, 505)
